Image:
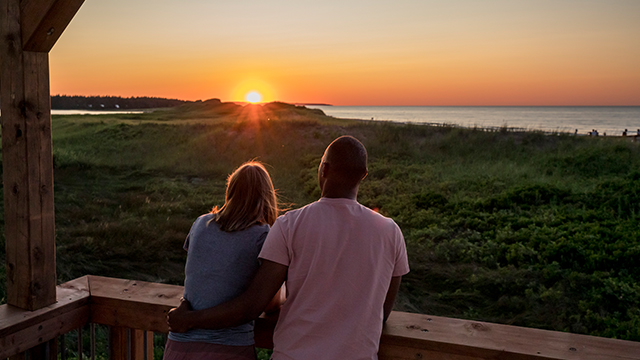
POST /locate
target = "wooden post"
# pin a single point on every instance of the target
(118, 343)
(27, 168)
(45, 351)
(141, 343)
(126, 343)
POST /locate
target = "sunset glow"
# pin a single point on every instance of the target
(253, 97)
(406, 52)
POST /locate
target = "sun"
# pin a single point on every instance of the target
(253, 97)
(253, 90)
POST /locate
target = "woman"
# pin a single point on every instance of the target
(222, 257)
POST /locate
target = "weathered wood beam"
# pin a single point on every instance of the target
(43, 22)
(415, 336)
(27, 168)
(22, 330)
(132, 304)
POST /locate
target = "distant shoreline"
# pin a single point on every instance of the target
(612, 120)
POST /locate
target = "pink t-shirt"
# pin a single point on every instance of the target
(341, 257)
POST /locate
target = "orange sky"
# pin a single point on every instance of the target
(356, 52)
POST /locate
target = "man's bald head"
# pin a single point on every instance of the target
(347, 158)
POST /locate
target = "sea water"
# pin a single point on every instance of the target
(94, 112)
(612, 120)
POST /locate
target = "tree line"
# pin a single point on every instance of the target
(66, 102)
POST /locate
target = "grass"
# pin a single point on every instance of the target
(517, 228)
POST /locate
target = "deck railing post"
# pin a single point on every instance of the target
(80, 349)
(118, 344)
(130, 344)
(45, 351)
(141, 345)
(92, 340)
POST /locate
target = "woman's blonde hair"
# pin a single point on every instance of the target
(250, 199)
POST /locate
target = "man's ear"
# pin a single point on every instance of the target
(365, 175)
(324, 169)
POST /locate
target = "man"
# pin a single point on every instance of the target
(342, 262)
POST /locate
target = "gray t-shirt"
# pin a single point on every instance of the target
(219, 267)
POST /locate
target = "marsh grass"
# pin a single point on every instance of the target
(518, 228)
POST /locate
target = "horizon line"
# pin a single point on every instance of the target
(320, 103)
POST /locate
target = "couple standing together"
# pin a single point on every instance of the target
(342, 264)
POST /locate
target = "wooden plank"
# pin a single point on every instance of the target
(21, 330)
(40, 175)
(137, 317)
(118, 344)
(37, 10)
(495, 341)
(135, 291)
(134, 304)
(21, 356)
(44, 21)
(70, 296)
(138, 340)
(394, 352)
(50, 329)
(45, 351)
(53, 348)
(14, 153)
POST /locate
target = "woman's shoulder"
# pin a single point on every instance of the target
(204, 220)
(259, 228)
(207, 216)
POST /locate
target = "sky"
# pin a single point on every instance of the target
(355, 52)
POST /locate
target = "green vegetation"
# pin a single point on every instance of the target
(111, 102)
(517, 228)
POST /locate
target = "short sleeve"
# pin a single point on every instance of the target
(193, 228)
(261, 238)
(401, 261)
(275, 245)
(186, 243)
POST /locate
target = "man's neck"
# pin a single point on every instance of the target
(340, 193)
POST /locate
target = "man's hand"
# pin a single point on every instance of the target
(238, 311)
(178, 318)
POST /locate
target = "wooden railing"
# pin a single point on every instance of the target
(135, 309)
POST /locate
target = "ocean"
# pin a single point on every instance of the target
(609, 120)
(94, 112)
